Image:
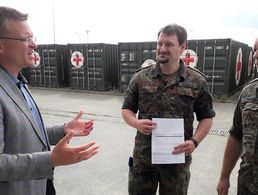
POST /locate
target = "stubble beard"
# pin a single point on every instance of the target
(163, 61)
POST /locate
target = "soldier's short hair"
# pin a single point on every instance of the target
(175, 29)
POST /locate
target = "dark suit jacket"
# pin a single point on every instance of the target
(25, 160)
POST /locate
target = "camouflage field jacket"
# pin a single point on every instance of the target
(184, 94)
(245, 128)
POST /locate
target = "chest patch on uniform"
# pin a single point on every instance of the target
(185, 91)
(188, 85)
(149, 89)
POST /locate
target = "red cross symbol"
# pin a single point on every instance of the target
(239, 66)
(188, 59)
(35, 58)
(77, 59)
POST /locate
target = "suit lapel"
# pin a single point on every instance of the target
(14, 93)
(39, 116)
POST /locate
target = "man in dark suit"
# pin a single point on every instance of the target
(26, 162)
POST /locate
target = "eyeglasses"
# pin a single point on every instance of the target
(29, 40)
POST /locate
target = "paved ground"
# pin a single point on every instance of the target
(106, 173)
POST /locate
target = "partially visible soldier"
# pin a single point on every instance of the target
(166, 89)
(243, 141)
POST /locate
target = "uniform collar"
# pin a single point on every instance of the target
(156, 71)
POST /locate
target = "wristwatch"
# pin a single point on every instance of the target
(194, 141)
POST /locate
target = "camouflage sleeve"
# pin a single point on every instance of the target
(203, 107)
(236, 129)
(131, 96)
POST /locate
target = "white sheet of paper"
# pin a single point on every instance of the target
(168, 134)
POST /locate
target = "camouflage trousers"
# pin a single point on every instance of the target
(172, 179)
(243, 190)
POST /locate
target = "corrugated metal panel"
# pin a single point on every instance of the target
(224, 63)
(227, 64)
(26, 73)
(77, 76)
(94, 68)
(132, 55)
(36, 76)
(52, 70)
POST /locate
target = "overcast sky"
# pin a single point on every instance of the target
(113, 21)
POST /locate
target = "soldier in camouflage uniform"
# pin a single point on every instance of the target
(167, 89)
(243, 141)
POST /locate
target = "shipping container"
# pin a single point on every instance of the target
(50, 67)
(131, 56)
(226, 64)
(36, 71)
(93, 66)
(26, 73)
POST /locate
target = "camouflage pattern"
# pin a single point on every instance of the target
(143, 179)
(152, 94)
(245, 128)
(243, 190)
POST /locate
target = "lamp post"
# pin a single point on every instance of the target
(87, 32)
(53, 18)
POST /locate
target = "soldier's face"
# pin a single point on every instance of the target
(168, 49)
(256, 52)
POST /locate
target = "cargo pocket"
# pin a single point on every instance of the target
(187, 97)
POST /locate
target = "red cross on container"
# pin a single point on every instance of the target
(35, 58)
(239, 66)
(188, 59)
(77, 59)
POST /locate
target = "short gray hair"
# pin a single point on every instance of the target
(7, 13)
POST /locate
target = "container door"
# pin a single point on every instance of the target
(215, 64)
(77, 64)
